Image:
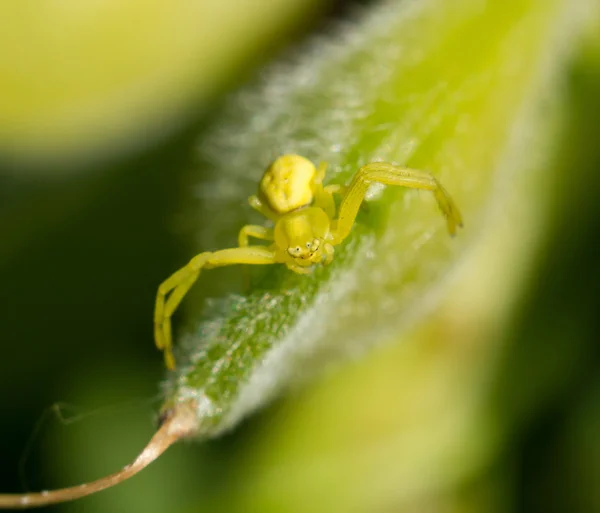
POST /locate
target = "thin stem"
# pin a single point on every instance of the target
(179, 423)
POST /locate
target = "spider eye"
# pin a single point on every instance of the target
(308, 245)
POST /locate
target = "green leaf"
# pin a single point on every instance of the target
(456, 88)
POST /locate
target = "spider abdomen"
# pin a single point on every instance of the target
(287, 183)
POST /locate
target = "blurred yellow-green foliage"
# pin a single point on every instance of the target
(101, 105)
(98, 74)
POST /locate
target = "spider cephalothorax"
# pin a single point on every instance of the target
(307, 226)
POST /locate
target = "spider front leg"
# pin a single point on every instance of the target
(256, 231)
(324, 194)
(389, 174)
(323, 198)
(179, 283)
(299, 269)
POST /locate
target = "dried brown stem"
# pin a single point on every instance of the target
(178, 423)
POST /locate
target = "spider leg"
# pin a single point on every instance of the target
(322, 197)
(389, 174)
(258, 232)
(298, 269)
(179, 283)
(177, 294)
(336, 188)
(257, 204)
(329, 251)
(324, 194)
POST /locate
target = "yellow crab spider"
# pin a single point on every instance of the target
(303, 211)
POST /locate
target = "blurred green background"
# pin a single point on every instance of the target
(102, 105)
